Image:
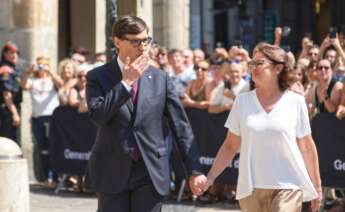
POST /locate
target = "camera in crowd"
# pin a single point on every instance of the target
(286, 31)
(332, 32)
(40, 67)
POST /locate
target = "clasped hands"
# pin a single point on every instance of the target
(199, 184)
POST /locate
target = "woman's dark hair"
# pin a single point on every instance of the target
(278, 56)
(129, 25)
(331, 47)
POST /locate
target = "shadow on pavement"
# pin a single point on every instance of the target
(219, 205)
(66, 193)
(41, 189)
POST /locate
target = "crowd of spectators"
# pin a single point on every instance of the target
(203, 81)
(48, 89)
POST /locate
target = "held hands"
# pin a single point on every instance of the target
(199, 184)
(133, 71)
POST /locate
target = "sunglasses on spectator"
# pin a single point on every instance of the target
(323, 67)
(138, 42)
(234, 61)
(199, 67)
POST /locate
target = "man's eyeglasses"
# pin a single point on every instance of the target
(138, 42)
(196, 68)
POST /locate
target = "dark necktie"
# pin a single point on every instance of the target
(134, 92)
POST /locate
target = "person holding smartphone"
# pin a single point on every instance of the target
(42, 83)
(331, 48)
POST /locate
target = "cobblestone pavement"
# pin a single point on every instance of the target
(44, 200)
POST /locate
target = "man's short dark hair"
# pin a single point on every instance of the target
(129, 25)
(174, 51)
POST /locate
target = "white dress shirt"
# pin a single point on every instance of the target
(121, 65)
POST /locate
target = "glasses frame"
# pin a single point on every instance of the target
(253, 64)
(137, 42)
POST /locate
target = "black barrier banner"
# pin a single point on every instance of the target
(71, 138)
(328, 134)
(210, 133)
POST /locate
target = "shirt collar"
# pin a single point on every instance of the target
(121, 64)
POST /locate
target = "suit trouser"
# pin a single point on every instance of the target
(273, 200)
(140, 195)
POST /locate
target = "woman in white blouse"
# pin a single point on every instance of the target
(278, 159)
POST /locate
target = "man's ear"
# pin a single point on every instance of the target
(116, 42)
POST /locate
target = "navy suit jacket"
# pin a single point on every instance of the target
(120, 126)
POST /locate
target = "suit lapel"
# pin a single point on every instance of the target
(117, 77)
(144, 84)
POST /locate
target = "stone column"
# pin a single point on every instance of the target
(141, 8)
(171, 23)
(32, 25)
(100, 26)
(144, 10)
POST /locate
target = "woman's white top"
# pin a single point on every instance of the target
(269, 154)
(44, 96)
(219, 97)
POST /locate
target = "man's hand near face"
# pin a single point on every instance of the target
(133, 71)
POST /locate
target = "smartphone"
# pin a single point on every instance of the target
(39, 67)
(227, 84)
(286, 31)
(219, 45)
(308, 35)
(238, 43)
(332, 32)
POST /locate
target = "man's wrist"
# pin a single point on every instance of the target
(211, 177)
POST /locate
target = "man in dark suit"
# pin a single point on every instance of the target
(128, 100)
